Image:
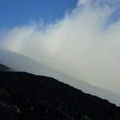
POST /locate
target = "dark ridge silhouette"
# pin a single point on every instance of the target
(4, 68)
(25, 96)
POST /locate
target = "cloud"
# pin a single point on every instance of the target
(81, 45)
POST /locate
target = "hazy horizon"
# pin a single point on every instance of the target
(22, 63)
(83, 44)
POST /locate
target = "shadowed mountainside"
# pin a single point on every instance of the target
(4, 68)
(20, 62)
(28, 97)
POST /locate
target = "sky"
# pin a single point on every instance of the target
(17, 13)
(79, 38)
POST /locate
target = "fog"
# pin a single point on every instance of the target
(84, 44)
(22, 63)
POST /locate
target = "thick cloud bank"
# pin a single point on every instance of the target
(83, 45)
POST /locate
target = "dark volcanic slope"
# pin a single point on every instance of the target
(45, 98)
(4, 68)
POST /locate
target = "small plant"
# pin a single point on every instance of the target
(84, 117)
(4, 93)
(17, 109)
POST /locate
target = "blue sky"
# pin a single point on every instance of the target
(20, 12)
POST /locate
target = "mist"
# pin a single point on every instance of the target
(84, 44)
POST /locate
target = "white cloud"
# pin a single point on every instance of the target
(80, 45)
(83, 2)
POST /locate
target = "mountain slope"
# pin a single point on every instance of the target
(39, 97)
(19, 62)
(4, 68)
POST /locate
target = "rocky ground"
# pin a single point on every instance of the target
(4, 68)
(25, 96)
